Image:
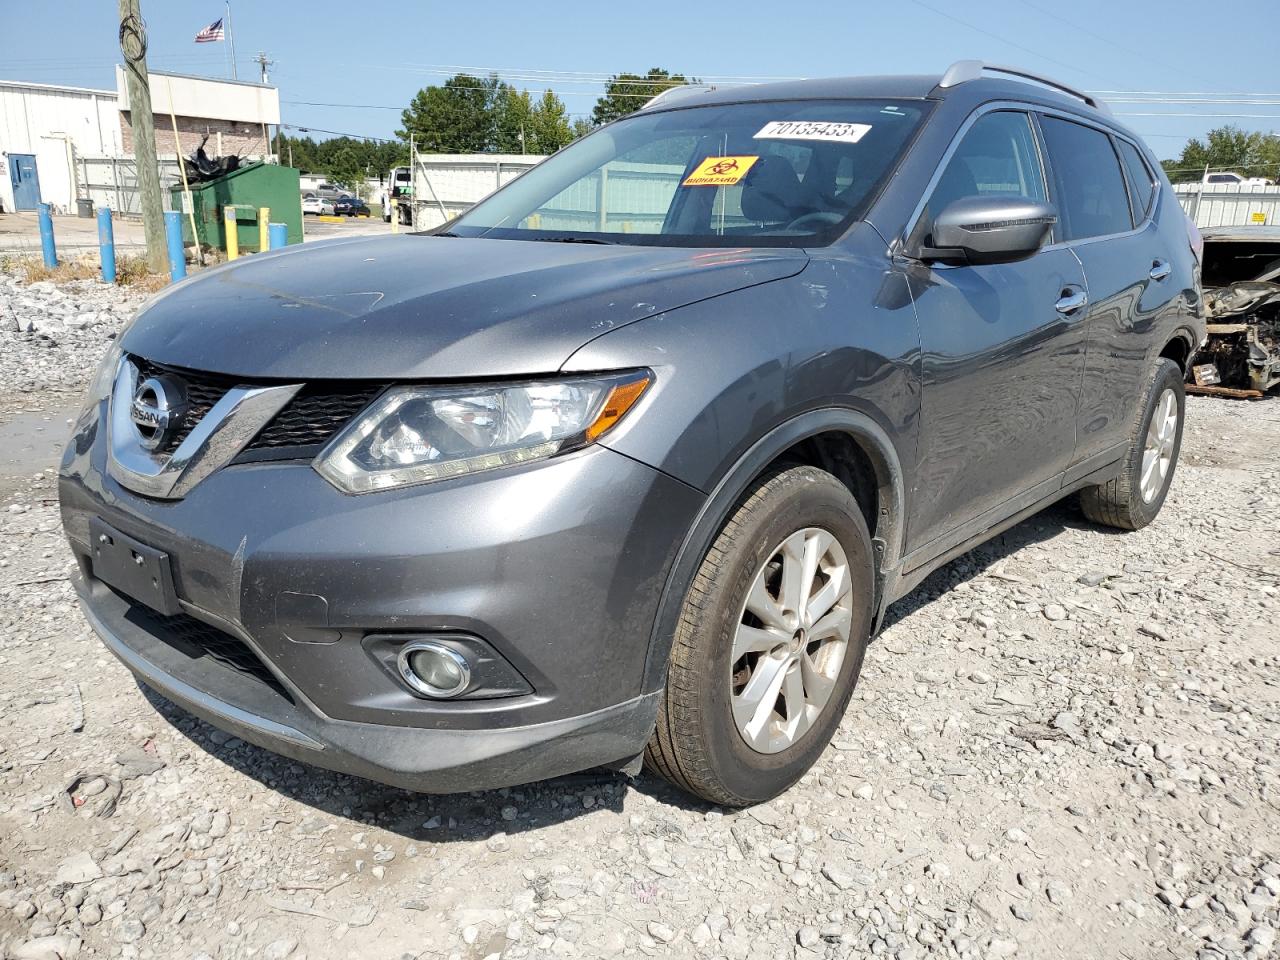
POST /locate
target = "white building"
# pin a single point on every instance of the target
(48, 133)
(42, 129)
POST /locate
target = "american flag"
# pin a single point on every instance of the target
(211, 33)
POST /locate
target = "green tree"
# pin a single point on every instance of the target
(627, 92)
(1250, 154)
(513, 121)
(349, 166)
(581, 127)
(458, 117)
(549, 128)
(344, 160)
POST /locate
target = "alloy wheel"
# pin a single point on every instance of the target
(1157, 450)
(791, 640)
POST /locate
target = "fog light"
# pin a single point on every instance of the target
(433, 669)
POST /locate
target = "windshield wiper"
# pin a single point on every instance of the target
(571, 240)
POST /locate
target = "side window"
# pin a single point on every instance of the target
(997, 157)
(1142, 185)
(1091, 196)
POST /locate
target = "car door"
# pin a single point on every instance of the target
(1002, 351)
(1105, 193)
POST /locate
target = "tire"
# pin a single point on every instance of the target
(1123, 502)
(698, 743)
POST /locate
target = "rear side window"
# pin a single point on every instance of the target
(997, 157)
(1091, 195)
(1142, 185)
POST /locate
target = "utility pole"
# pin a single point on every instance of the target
(263, 63)
(133, 45)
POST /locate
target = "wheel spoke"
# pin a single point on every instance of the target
(791, 593)
(764, 606)
(1149, 460)
(831, 593)
(753, 640)
(815, 546)
(834, 624)
(752, 707)
(793, 693)
(817, 685)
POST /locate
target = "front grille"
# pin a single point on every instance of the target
(314, 415)
(307, 422)
(196, 639)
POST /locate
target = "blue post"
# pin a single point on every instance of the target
(173, 232)
(46, 236)
(279, 236)
(106, 245)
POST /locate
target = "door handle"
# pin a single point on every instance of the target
(1072, 299)
(1160, 269)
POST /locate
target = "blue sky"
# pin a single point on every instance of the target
(377, 55)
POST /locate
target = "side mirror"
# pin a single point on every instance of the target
(977, 230)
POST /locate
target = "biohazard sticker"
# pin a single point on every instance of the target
(813, 130)
(719, 171)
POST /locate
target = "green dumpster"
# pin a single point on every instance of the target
(247, 189)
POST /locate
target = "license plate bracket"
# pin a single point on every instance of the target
(140, 572)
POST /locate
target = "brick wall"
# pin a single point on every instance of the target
(237, 137)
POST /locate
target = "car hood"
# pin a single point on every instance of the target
(425, 307)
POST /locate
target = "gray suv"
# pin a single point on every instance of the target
(628, 461)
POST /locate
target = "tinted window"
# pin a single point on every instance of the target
(1142, 186)
(1091, 196)
(997, 157)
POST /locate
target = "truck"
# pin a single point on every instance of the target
(397, 195)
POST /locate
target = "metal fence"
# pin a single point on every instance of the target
(113, 181)
(1229, 205)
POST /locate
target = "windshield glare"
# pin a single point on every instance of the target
(778, 173)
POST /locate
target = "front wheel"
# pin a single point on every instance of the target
(1132, 499)
(769, 642)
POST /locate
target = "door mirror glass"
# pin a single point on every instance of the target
(977, 230)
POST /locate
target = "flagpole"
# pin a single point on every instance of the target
(231, 36)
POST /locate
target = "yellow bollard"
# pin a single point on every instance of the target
(264, 229)
(229, 224)
(395, 217)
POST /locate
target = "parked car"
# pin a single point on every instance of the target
(561, 486)
(318, 205)
(1235, 179)
(349, 206)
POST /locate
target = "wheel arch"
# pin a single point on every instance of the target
(1179, 348)
(815, 437)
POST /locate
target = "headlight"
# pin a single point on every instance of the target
(418, 434)
(104, 377)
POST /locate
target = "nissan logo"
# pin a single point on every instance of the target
(158, 409)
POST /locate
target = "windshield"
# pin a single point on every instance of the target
(778, 173)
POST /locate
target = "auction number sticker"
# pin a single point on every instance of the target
(719, 171)
(813, 130)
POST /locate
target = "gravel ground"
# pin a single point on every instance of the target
(51, 337)
(1064, 745)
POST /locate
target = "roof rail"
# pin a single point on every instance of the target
(678, 92)
(962, 71)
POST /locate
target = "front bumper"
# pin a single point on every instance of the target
(434, 761)
(556, 566)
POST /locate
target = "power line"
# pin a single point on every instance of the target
(335, 133)
(1128, 51)
(1005, 40)
(1208, 116)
